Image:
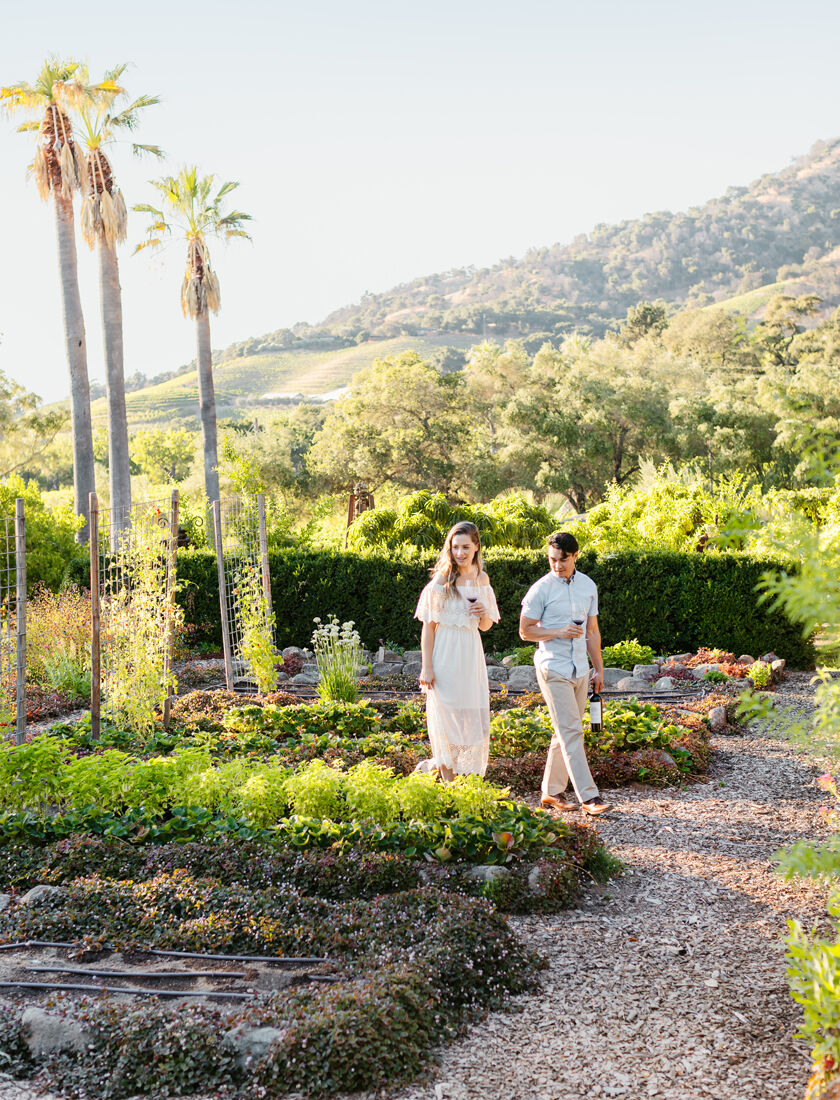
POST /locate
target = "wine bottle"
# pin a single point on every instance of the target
(595, 712)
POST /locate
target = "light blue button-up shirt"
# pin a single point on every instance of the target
(551, 601)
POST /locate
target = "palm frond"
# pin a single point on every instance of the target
(28, 127)
(152, 150)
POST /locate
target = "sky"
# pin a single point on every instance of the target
(375, 142)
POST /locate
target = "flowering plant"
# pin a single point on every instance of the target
(338, 654)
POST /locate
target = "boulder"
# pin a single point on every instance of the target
(5, 901)
(252, 1043)
(661, 757)
(523, 678)
(388, 655)
(304, 678)
(632, 683)
(508, 661)
(491, 662)
(673, 666)
(678, 658)
(613, 675)
(777, 669)
(645, 672)
(412, 668)
(497, 674)
(701, 670)
(293, 651)
(282, 677)
(487, 872)
(769, 658)
(45, 1032)
(664, 683)
(412, 655)
(745, 659)
(387, 668)
(39, 894)
(717, 718)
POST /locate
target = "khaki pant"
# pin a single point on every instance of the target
(566, 701)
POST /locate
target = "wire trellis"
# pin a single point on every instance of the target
(244, 583)
(13, 624)
(133, 612)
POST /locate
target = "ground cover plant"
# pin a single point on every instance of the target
(413, 967)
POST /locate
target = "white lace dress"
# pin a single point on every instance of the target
(458, 704)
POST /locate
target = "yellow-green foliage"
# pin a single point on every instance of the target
(256, 646)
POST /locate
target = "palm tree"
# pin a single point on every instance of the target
(195, 217)
(103, 218)
(58, 169)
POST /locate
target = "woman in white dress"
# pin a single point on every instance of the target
(453, 607)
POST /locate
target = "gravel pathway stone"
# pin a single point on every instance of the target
(669, 981)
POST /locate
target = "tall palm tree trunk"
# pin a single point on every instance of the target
(118, 461)
(207, 406)
(74, 334)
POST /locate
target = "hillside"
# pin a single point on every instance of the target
(245, 382)
(780, 234)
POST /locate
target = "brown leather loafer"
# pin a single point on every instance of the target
(557, 802)
(596, 806)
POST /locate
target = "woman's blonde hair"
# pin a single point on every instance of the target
(445, 565)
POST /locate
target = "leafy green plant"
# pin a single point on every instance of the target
(714, 676)
(523, 655)
(338, 654)
(517, 731)
(315, 791)
(627, 654)
(256, 647)
(58, 640)
(138, 611)
(760, 675)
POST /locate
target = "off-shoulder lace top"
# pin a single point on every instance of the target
(434, 606)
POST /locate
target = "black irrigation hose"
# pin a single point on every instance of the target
(128, 989)
(161, 975)
(154, 951)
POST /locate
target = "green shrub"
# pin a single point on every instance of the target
(714, 676)
(759, 674)
(523, 655)
(517, 731)
(52, 552)
(675, 601)
(627, 654)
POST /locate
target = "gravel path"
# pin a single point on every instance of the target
(669, 981)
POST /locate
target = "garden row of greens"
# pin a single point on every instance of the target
(673, 601)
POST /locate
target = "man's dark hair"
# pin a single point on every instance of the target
(564, 542)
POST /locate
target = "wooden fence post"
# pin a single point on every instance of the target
(220, 563)
(171, 564)
(95, 622)
(20, 617)
(266, 575)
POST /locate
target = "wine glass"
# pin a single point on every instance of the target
(470, 593)
(579, 615)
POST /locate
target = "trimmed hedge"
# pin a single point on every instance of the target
(669, 601)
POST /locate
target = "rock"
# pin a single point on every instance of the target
(661, 757)
(252, 1043)
(293, 651)
(777, 669)
(745, 659)
(412, 655)
(412, 668)
(497, 674)
(768, 658)
(664, 683)
(39, 894)
(673, 666)
(678, 658)
(304, 678)
(5, 901)
(508, 661)
(45, 1032)
(384, 655)
(523, 678)
(282, 677)
(717, 718)
(487, 872)
(701, 670)
(613, 675)
(491, 662)
(645, 672)
(632, 683)
(386, 668)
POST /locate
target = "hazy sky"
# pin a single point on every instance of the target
(377, 141)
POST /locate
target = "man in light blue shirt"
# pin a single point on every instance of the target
(560, 612)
